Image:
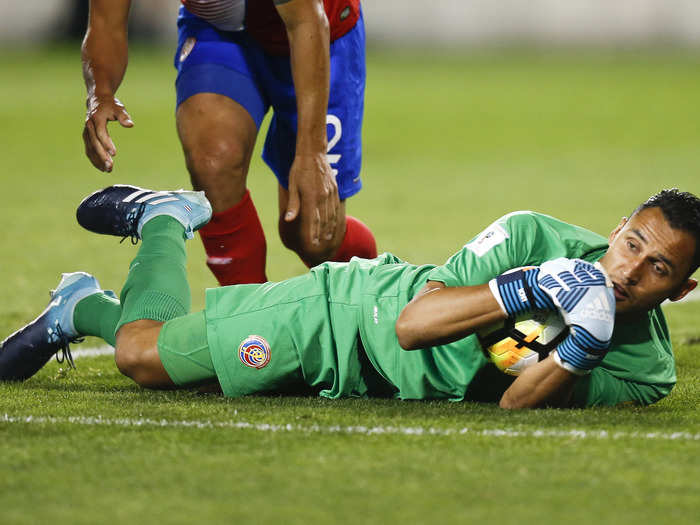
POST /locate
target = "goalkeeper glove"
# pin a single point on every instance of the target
(579, 291)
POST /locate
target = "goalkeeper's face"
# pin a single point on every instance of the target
(648, 262)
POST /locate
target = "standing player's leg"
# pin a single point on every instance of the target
(218, 137)
(352, 238)
(344, 127)
(219, 110)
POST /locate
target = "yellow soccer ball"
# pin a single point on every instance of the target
(518, 343)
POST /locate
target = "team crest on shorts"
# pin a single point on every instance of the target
(254, 351)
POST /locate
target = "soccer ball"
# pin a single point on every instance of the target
(520, 342)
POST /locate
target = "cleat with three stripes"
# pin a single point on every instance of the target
(122, 210)
(25, 352)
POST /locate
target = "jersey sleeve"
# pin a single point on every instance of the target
(602, 387)
(518, 239)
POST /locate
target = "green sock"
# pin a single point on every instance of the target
(156, 287)
(98, 315)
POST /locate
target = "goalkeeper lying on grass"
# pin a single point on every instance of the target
(383, 327)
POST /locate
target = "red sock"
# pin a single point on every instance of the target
(358, 241)
(235, 244)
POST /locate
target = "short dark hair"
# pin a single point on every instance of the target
(682, 211)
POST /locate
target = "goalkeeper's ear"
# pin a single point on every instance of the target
(617, 229)
(687, 287)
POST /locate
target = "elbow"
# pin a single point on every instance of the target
(506, 402)
(406, 335)
(511, 402)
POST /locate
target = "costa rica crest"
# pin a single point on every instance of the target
(254, 351)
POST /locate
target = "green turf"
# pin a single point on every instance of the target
(451, 143)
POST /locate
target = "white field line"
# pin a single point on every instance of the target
(79, 353)
(359, 429)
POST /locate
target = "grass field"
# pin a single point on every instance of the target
(451, 143)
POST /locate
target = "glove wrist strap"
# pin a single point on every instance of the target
(512, 292)
(567, 366)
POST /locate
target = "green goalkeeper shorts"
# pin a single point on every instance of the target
(294, 336)
(184, 350)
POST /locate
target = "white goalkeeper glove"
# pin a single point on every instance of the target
(581, 293)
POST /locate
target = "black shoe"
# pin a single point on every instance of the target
(122, 210)
(23, 353)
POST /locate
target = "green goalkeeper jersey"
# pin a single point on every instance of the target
(337, 326)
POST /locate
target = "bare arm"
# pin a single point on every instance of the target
(313, 192)
(544, 384)
(104, 58)
(439, 314)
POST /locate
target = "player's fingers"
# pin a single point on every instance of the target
(94, 149)
(331, 218)
(323, 216)
(125, 120)
(104, 138)
(90, 151)
(315, 226)
(292, 205)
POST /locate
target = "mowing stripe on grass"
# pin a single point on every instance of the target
(337, 429)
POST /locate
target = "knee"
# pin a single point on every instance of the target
(216, 158)
(126, 359)
(311, 254)
(133, 353)
(219, 168)
(129, 361)
(314, 254)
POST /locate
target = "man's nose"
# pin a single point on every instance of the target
(632, 271)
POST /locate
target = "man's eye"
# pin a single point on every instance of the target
(660, 269)
(631, 245)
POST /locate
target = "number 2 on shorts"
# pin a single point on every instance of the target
(332, 120)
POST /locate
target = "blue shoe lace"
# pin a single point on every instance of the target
(63, 341)
(132, 223)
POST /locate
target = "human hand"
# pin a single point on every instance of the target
(560, 284)
(313, 197)
(585, 298)
(582, 294)
(573, 285)
(99, 147)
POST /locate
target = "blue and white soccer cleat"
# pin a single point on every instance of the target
(122, 210)
(24, 352)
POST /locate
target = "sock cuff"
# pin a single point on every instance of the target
(230, 220)
(358, 241)
(161, 224)
(153, 305)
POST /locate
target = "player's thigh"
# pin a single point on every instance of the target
(343, 119)
(218, 137)
(220, 106)
(225, 63)
(184, 352)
